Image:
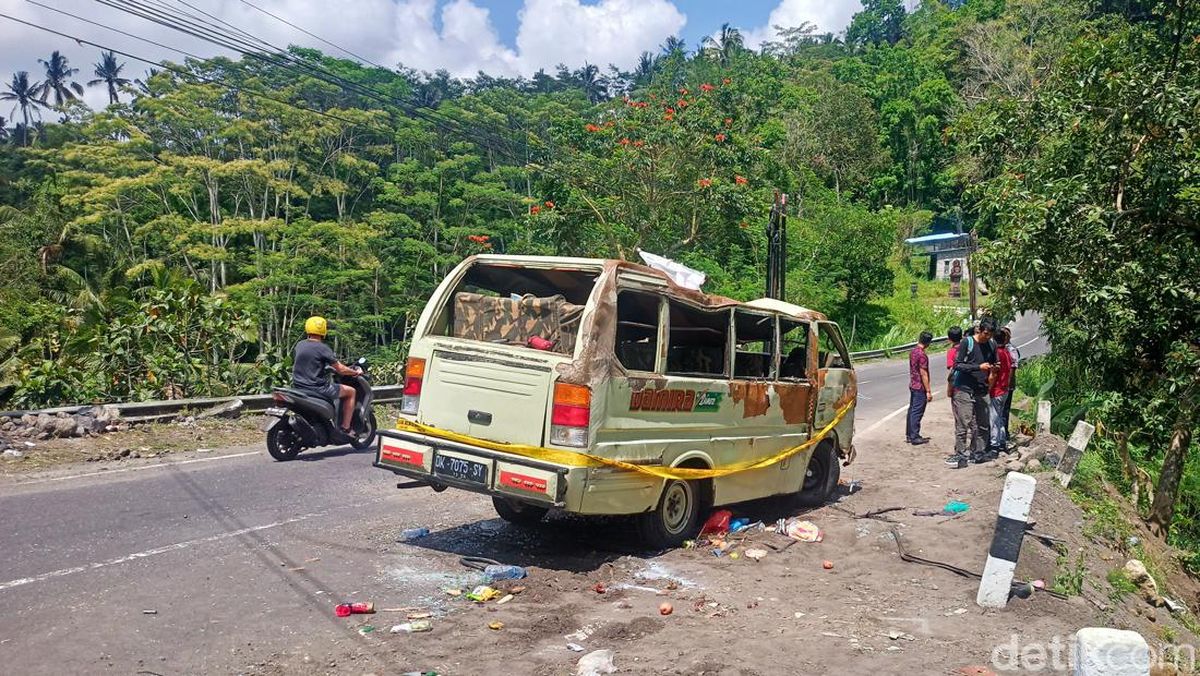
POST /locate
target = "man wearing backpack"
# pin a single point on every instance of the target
(973, 363)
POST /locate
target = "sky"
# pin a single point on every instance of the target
(500, 37)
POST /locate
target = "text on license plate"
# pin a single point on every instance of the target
(457, 468)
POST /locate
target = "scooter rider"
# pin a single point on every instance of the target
(311, 356)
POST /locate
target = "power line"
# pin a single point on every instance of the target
(312, 35)
(189, 74)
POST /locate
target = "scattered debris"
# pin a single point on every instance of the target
(419, 616)
(596, 663)
(453, 592)
(348, 609)
(718, 522)
(496, 572)
(799, 530)
(415, 627)
(599, 588)
(665, 608)
(827, 565)
(13, 454)
(956, 507)
(366, 629)
(495, 625)
(412, 534)
(483, 594)
(1173, 605)
(575, 647)
(149, 612)
(756, 554)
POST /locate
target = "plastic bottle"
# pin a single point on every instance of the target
(348, 609)
(495, 573)
(413, 533)
(738, 524)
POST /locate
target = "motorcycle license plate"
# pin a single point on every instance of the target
(456, 468)
(275, 411)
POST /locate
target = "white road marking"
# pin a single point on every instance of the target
(1030, 342)
(875, 425)
(149, 552)
(134, 469)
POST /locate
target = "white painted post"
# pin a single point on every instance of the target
(1076, 445)
(1100, 651)
(1043, 417)
(1011, 520)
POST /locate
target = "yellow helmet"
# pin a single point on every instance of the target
(316, 326)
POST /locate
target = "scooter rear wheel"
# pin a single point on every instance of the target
(282, 443)
(367, 438)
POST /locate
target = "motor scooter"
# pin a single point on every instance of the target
(299, 420)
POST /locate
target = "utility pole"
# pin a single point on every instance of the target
(971, 247)
(777, 248)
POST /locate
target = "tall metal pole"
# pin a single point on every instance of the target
(974, 244)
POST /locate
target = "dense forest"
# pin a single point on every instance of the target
(172, 243)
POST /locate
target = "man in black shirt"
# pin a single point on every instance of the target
(973, 363)
(311, 358)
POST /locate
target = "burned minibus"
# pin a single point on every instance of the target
(603, 387)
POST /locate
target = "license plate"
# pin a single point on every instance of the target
(275, 411)
(456, 468)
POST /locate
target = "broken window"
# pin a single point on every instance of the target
(699, 341)
(637, 330)
(509, 304)
(793, 349)
(832, 353)
(754, 355)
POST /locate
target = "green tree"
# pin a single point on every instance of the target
(24, 95)
(58, 80)
(881, 22)
(108, 73)
(1094, 196)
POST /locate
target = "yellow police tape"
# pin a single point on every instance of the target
(578, 459)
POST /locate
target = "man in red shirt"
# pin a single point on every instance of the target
(919, 389)
(1000, 383)
(954, 335)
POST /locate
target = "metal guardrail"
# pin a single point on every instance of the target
(888, 351)
(384, 394)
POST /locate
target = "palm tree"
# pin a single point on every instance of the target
(593, 84)
(23, 93)
(644, 71)
(673, 46)
(108, 72)
(58, 80)
(3, 129)
(728, 43)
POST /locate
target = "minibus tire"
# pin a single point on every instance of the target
(665, 526)
(282, 443)
(817, 490)
(519, 513)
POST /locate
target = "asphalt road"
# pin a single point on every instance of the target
(210, 563)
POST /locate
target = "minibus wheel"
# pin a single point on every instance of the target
(821, 477)
(519, 513)
(675, 519)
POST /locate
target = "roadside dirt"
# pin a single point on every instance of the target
(145, 441)
(871, 613)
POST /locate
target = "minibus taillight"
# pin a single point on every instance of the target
(571, 415)
(414, 374)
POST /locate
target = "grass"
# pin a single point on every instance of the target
(1121, 585)
(1070, 576)
(1168, 634)
(1106, 520)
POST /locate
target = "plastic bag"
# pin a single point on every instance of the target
(718, 522)
(797, 529)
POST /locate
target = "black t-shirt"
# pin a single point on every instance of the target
(968, 375)
(308, 367)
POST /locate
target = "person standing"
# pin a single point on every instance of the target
(1000, 391)
(954, 335)
(973, 362)
(1015, 355)
(920, 392)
